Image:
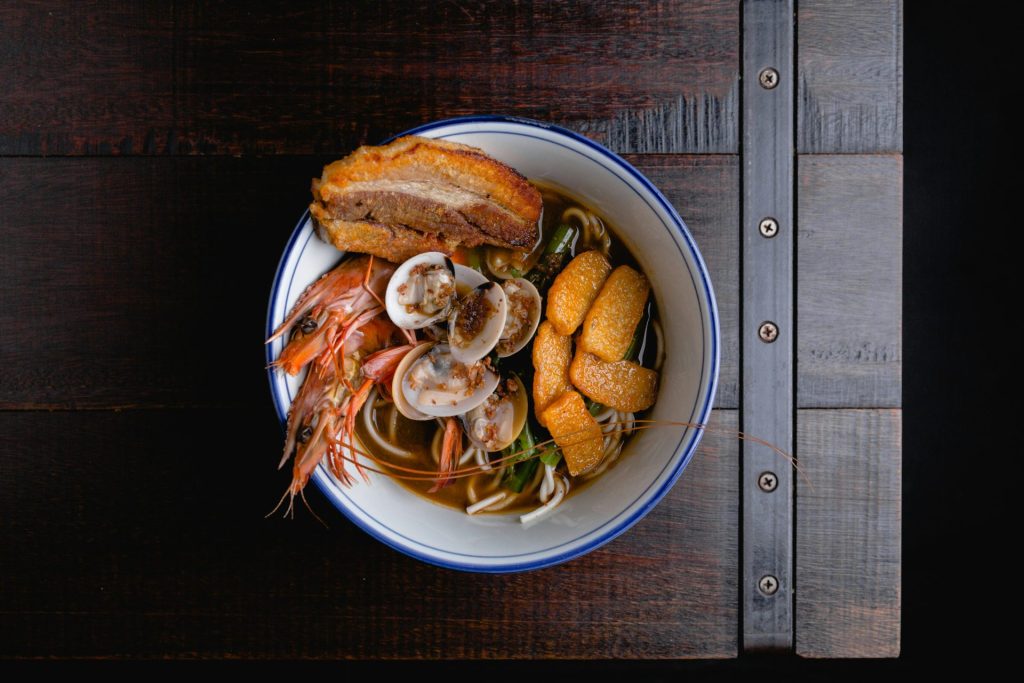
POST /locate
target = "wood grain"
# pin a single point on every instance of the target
(849, 281)
(850, 61)
(132, 534)
(203, 78)
(133, 290)
(848, 533)
(705, 192)
(131, 284)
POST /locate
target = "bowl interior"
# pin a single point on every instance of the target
(654, 458)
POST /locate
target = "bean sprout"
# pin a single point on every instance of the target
(481, 459)
(547, 486)
(469, 454)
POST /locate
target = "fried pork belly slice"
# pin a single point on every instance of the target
(390, 242)
(436, 187)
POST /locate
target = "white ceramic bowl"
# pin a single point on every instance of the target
(655, 458)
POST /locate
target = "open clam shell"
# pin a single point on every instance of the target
(496, 423)
(421, 291)
(524, 308)
(438, 385)
(477, 321)
(403, 406)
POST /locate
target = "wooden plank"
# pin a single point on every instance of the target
(705, 191)
(126, 534)
(202, 78)
(132, 290)
(86, 78)
(850, 98)
(848, 533)
(849, 281)
(767, 325)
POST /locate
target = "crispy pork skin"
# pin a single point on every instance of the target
(449, 193)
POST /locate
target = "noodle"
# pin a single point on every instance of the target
(561, 488)
(370, 428)
(614, 425)
(512, 477)
(485, 503)
(594, 234)
(659, 354)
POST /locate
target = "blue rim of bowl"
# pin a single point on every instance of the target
(705, 409)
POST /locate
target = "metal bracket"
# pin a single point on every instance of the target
(767, 325)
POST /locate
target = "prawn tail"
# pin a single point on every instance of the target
(451, 452)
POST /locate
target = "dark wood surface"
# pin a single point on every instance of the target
(323, 77)
(144, 147)
(849, 281)
(148, 540)
(850, 92)
(848, 559)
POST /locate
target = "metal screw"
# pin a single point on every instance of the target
(768, 584)
(768, 77)
(769, 227)
(768, 482)
(768, 332)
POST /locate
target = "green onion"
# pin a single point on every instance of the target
(633, 352)
(524, 465)
(592, 406)
(474, 260)
(561, 240)
(634, 344)
(551, 457)
(520, 474)
(553, 259)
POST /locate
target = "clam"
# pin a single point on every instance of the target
(421, 291)
(523, 316)
(436, 384)
(467, 278)
(477, 321)
(403, 406)
(494, 424)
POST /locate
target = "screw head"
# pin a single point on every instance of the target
(768, 332)
(769, 227)
(768, 78)
(768, 584)
(768, 482)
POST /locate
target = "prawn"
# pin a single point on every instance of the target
(331, 310)
(336, 330)
(451, 453)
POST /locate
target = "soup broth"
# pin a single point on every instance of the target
(393, 438)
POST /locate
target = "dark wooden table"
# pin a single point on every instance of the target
(145, 147)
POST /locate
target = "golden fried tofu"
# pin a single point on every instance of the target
(575, 431)
(551, 355)
(575, 289)
(610, 323)
(622, 385)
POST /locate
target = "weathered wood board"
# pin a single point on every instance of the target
(848, 535)
(850, 92)
(131, 534)
(849, 281)
(322, 77)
